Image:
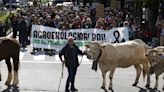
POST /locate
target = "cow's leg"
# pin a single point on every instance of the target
(16, 67)
(163, 84)
(9, 66)
(0, 75)
(156, 83)
(111, 78)
(104, 79)
(146, 71)
(138, 71)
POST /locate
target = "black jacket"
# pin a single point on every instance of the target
(71, 55)
(22, 27)
(3, 30)
(14, 25)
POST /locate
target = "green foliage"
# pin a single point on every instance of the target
(4, 17)
(138, 3)
(2, 13)
(101, 1)
(44, 1)
(152, 4)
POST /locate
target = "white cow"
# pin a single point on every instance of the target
(156, 59)
(111, 56)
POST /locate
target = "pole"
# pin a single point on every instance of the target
(61, 77)
(10, 6)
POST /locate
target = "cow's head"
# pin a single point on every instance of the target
(153, 56)
(93, 50)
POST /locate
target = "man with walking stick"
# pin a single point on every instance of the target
(70, 53)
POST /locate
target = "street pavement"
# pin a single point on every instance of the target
(42, 73)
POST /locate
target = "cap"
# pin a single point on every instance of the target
(70, 38)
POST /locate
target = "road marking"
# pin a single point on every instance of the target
(49, 62)
(57, 57)
(42, 59)
(39, 57)
(21, 55)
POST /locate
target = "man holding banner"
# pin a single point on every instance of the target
(70, 53)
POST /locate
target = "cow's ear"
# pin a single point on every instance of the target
(146, 54)
(87, 46)
(103, 45)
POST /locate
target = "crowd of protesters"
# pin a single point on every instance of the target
(76, 17)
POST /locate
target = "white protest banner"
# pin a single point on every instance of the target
(52, 38)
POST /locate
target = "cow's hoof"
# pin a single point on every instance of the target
(147, 85)
(135, 84)
(103, 87)
(0, 79)
(163, 89)
(110, 88)
(15, 84)
(7, 83)
(155, 88)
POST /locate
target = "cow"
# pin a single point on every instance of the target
(111, 56)
(9, 48)
(156, 59)
(160, 49)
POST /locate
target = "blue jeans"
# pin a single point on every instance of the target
(22, 39)
(71, 77)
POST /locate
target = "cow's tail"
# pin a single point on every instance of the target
(144, 74)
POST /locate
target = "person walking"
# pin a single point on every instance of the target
(70, 53)
(3, 29)
(22, 31)
(14, 24)
(162, 34)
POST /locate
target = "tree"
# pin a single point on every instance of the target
(105, 2)
(4, 1)
(153, 7)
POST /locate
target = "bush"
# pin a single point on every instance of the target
(4, 16)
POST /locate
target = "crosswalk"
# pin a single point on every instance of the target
(42, 57)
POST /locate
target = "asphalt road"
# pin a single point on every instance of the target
(44, 77)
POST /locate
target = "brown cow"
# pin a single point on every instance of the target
(157, 64)
(122, 55)
(9, 48)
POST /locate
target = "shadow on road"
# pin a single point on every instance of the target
(147, 90)
(44, 53)
(105, 90)
(11, 89)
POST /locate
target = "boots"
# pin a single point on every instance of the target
(67, 87)
(73, 89)
(67, 90)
